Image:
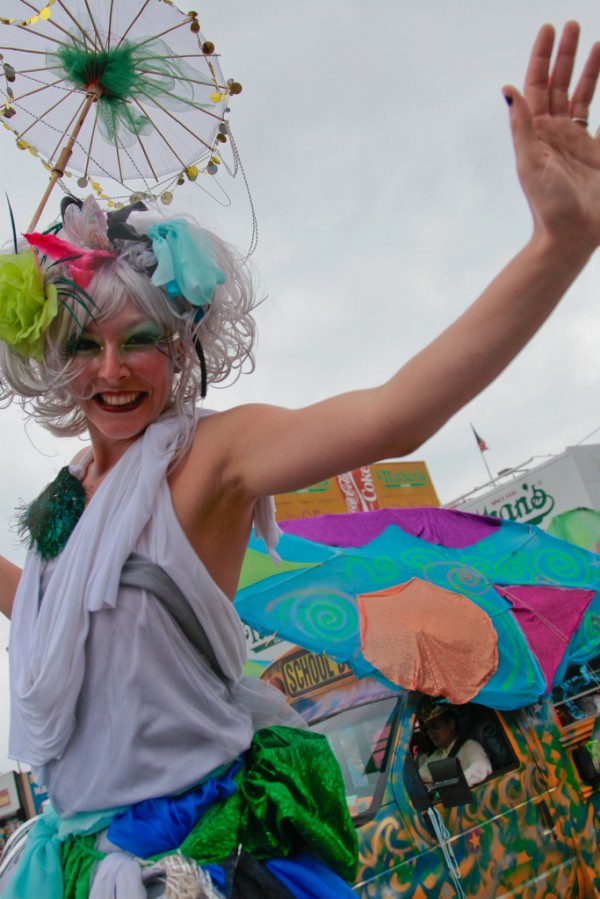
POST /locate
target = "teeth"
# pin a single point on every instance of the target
(120, 399)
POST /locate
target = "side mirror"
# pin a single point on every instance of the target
(414, 786)
(449, 784)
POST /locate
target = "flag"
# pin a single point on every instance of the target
(480, 441)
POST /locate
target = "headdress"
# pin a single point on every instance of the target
(431, 708)
(176, 257)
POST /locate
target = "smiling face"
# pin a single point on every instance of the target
(122, 371)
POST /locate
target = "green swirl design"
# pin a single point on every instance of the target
(586, 641)
(419, 557)
(455, 576)
(318, 614)
(516, 661)
(377, 572)
(515, 570)
(565, 567)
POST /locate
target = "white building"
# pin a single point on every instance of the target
(535, 493)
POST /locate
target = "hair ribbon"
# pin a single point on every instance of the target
(186, 264)
(82, 262)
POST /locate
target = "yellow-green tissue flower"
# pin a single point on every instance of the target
(27, 305)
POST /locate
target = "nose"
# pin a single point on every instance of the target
(113, 366)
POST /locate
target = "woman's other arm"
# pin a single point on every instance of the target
(9, 581)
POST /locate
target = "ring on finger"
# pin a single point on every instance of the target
(579, 120)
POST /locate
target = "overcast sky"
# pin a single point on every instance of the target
(376, 144)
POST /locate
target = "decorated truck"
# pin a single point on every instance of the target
(368, 614)
(529, 830)
(367, 617)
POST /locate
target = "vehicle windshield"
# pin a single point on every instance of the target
(361, 739)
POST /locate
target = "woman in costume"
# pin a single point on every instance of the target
(126, 654)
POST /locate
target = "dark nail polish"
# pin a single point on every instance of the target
(508, 99)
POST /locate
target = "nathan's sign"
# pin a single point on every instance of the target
(527, 503)
(387, 485)
(524, 501)
(565, 482)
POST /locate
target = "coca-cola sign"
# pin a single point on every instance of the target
(359, 490)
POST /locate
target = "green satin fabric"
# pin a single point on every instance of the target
(78, 857)
(290, 800)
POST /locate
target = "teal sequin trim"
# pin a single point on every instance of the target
(47, 523)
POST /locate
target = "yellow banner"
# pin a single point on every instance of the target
(386, 485)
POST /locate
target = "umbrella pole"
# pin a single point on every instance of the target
(65, 154)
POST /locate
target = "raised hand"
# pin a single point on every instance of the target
(558, 161)
(264, 450)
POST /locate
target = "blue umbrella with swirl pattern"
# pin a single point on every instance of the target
(457, 605)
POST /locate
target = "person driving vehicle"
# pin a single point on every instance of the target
(439, 722)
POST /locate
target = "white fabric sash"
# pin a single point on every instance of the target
(47, 643)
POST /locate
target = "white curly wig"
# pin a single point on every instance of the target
(226, 331)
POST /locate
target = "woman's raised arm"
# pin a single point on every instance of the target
(270, 450)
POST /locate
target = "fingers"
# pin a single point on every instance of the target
(560, 79)
(547, 93)
(536, 77)
(584, 92)
(521, 124)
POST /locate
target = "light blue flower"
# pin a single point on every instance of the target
(186, 262)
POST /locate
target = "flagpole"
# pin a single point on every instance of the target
(492, 479)
(482, 448)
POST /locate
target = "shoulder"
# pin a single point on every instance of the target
(473, 748)
(471, 744)
(208, 473)
(80, 455)
(225, 440)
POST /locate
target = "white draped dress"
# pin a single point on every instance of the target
(110, 703)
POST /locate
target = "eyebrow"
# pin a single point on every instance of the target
(94, 328)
